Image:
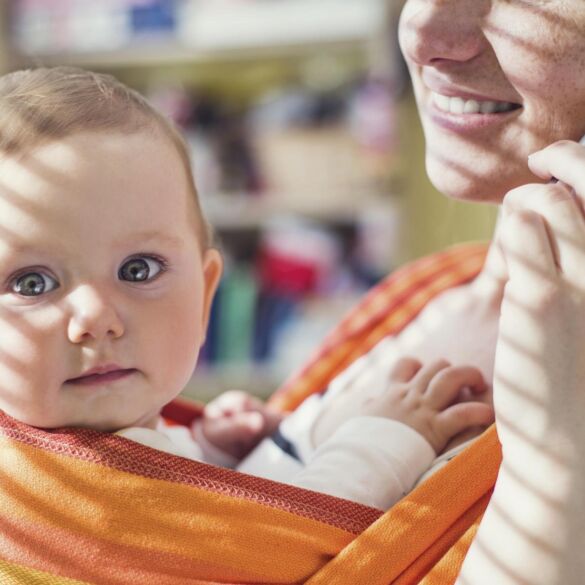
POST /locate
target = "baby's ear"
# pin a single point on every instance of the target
(212, 270)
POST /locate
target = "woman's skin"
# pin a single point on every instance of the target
(528, 56)
(527, 52)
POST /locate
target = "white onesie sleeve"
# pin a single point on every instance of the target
(369, 460)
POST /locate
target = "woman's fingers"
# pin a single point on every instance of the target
(563, 224)
(448, 383)
(529, 251)
(564, 160)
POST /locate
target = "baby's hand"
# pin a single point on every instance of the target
(426, 399)
(236, 422)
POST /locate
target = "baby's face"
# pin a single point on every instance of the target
(100, 265)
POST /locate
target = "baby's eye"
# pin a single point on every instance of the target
(140, 269)
(33, 284)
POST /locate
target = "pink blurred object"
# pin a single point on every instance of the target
(297, 258)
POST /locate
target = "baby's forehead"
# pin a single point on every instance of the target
(57, 190)
(98, 155)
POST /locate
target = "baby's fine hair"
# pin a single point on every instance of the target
(45, 104)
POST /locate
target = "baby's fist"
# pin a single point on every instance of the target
(236, 422)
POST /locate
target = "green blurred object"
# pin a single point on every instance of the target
(238, 296)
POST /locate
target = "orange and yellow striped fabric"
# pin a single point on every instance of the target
(81, 507)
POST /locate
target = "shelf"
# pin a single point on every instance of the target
(208, 382)
(164, 52)
(220, 26)
(224, 30)
(244, 211)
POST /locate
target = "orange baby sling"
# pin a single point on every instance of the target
(80, 506)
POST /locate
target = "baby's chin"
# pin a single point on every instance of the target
(35, 419)
(42, 421)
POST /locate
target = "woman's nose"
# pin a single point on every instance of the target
(93, 315)
(442, 31)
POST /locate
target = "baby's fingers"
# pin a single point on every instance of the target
(404, 369)
(447, 384)
(463, 416)
(236, 434)
(232, 402)
(424, 376)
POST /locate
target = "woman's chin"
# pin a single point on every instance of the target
(474, 186)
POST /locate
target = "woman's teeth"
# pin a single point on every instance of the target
(457, 105)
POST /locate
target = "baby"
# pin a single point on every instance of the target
(108, 275)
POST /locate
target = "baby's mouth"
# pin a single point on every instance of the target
(110, 376)
(461, 106)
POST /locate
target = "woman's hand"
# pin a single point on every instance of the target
(539, 383)
(532, 530)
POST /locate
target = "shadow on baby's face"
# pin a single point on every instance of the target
(99, 266)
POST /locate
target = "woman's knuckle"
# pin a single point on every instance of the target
(554, 192)
(563, 145)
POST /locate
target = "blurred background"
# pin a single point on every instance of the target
(307, 151)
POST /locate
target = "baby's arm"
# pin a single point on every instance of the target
(375, 457)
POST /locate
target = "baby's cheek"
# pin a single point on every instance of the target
(176, 351)
(32, 361)
(21, 396)
(20, 353)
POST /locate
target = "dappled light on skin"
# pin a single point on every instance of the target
(471, 175)
(532, 420)
(471, 49)
(532, 423)
(528, 57)
(57, 202)
(18, 349)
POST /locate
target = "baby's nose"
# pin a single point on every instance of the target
(93, 315)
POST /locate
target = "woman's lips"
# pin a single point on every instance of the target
(468, 123)
(95, 379)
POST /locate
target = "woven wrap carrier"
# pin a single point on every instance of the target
(79, 506)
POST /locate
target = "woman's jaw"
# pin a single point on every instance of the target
(478, 135)
(463, 169)
(479, 156)
(494, 83)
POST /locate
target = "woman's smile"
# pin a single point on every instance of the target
(462, 116)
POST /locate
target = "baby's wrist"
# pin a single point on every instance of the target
(421, 429)
(211, 453)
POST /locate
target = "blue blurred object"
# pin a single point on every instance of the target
(153, 16)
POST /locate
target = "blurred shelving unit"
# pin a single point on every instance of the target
(239, 51)
(5, 45)
(205, 31)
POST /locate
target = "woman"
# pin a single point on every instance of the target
(495, 82)
(522, 60)
(519, 321)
